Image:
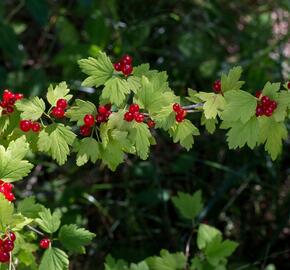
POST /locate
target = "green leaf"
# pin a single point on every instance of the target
(74, 239)
(12, 167)
(112, 154)
(272, 133)
(80, 110)
(188, 205)
(217, 250)
(6, 213)
(19, 222)
(99, 69)
(55, 140)
(183, 133)
(49, 222)
(60, 91)
(167, 261)
(283, 103)
(240, 106)
(214, 104)
(165, 118)
(231, 81)
(54, 259)
(141, 137)
(205, 235)
(29, 208)
(243, 133)
(31, 109)
(192, 96)
(210, 124)
(271, 90)
(112, 264)
(139, 266)
(88, 149)
(115, 90)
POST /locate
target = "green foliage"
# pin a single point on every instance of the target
(231, 81)
(54, 259)
(49, 222)
(31, 109)
(60, 91)
(88, 149)
(6, 213)
(74, 239)
(188, 205)
(29, 208)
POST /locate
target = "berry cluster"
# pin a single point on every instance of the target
(125, 65)
(180, 112)
(134, 114)
(6, 190)
(59, 111)
(150, 123)
(44, 243)
(265, 105)
(9, 100)
(104, 111)
(6, 246)
(217, 86)
(26, 125)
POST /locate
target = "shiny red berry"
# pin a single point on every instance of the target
(10, 109)
(4, 257)
(265, 100)
(8, 187)
(288, 85)
(12, 236)
(18, 96)
(44, 243)
(7, 245)
(58, 112)
(182, 113)
(128, 116)
(127, 69)
(139, 117)
(151, 123)
(101, 118)
(25, 125)
(3, 104)
(9, 196)
(102, 109)
(108, 106)
(61, 103)
(176, 107)
(217, 86)
(127, 59)
(134, 108)
(179, 118)
(273, 104)
(258, 94)
(259, 110)
(85, 131)
(7, 95)
(118, 66)
(89, 120)
(36, 127)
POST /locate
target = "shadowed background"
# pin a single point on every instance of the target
(247, 195)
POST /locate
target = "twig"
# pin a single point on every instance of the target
(193, 106)
(35, 230)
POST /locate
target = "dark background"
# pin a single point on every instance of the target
(247, 195)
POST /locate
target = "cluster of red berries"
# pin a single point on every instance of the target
(44, 243)
(6, 246)
(104, 111)
(180, 112)
(59, 110)
(134, 114)
(124, 65)
(26, 125)
(265, 105)
(6, 190)
(217, 86)
(9, 100)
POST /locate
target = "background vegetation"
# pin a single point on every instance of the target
(247, 195)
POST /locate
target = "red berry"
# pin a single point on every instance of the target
(269, 111)
(7, 245)
(18, 96)
(4, 257)
(127, 59)
(102, 109)
(25, 125)
(182, 113)
(58, 112)
(118, 66)
(89, 120)
(12, 100)
(101, 118)
(273, 104)
(10, 109)
(3, 104)
(61, 103)
(36, 127)
(9, 196)
(265, 100)
(7, 95)
(288, 85)
(258, 94)
(176, 107)
(139, 117)
(108, 106)
(179, 118)
(217, 86)
(44, 243)
(8, 187)
(12, 236)
(134, 108)
(151, 123)
(128, 116)
(127, 69)
(85, 131)
(259, 110)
